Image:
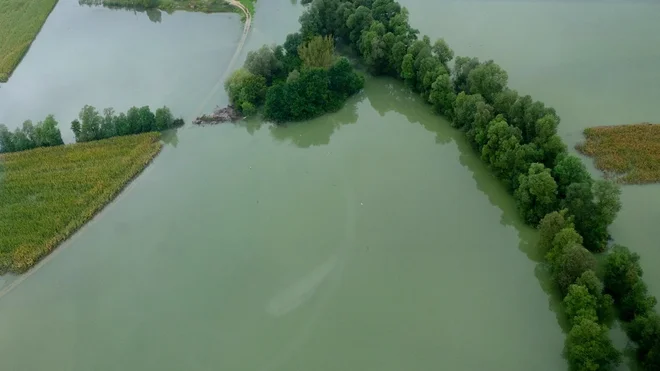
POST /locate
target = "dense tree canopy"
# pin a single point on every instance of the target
(91, 125)
(588, 347)
(44, 134)
(537, 194)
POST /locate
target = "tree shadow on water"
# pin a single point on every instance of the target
(317, 132)
(170, 137)
(391, 95)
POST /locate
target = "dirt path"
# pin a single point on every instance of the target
(239, 48)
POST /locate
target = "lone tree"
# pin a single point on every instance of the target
(317, 52)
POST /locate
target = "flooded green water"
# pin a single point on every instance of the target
(372, 238)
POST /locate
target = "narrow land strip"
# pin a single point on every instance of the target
(20, 22)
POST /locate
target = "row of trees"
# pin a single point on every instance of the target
(44, 134)
(298, 80)
(517, 137)
(91, 125)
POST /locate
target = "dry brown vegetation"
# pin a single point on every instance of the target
(628, 153)
(46, 194)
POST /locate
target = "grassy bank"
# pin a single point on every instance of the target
(20, 22)
(46, 194)
(628, 153)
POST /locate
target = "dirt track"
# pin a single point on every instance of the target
(230, 65)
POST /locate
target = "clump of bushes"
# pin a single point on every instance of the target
(91, 125)
(299, 80)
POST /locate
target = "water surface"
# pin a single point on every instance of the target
(372, 238)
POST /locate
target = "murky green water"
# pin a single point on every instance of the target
(372, 238)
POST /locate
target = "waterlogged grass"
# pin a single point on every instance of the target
(46, 194)
(628, 153)
(20, 22)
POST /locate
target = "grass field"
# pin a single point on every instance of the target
(46, 194)
(628, 153)
(20, 22)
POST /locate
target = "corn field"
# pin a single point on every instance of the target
(628, 153)
(46, 194)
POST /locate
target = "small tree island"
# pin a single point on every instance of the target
(299, 80)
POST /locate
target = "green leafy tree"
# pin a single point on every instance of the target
(500, 147)
(548, 228)
(77, 131)
(442, 96)
(546, 139)
(164, 119)
(645, 332)
(588, 347)
(465, 108)
(408, 69)
(357, 22)
(579, 304)
(487, 79)
(565, 238)
(147, 120)
(622, 271)
(6, 140)
(317, 52)
(263, 62)
(442, 51)
(504, 100)
(537, 194)
(90, 128)
(245, 87)
(48, 132)
(570, 265)
(604, 302)
(21, 141)
(569, 170)
(109, 124)
(122, 124)
(636, 302)
(477, 130)
(375, 47)
(462, 68)
(343, 80)
(594, 206)
(133, 119)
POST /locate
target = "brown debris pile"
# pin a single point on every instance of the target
(219, 115)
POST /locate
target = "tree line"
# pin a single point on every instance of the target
(29, 136)
(91, 125)
(517, 137)
(298, 80)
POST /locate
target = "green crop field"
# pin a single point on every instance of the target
(47, 193)
(20, 22)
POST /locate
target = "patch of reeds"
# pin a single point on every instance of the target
(627, 153)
